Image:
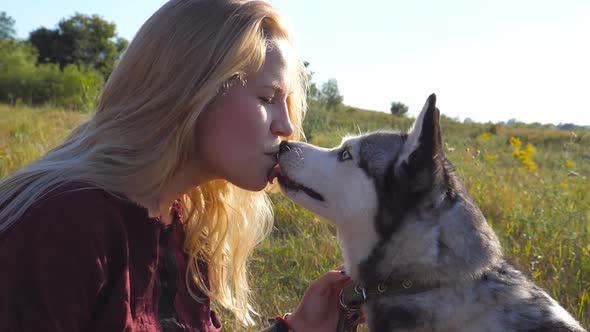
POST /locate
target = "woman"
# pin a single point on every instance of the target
(149, 211)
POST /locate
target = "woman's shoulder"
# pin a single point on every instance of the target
(76, 212)
(76, 193)
(60, 255)
(75, 203)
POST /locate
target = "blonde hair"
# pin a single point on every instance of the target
(143, 132)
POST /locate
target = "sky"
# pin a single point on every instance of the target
(495, 60)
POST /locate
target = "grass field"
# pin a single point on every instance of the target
(530, 182)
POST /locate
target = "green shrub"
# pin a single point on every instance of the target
(22, 79)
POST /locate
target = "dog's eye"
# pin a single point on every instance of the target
(344, 155)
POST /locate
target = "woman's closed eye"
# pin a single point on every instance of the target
(267, 100)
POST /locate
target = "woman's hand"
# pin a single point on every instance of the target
(319, 308)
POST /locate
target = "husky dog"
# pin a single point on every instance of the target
(402, 214)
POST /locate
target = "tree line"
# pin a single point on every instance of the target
(65, 66)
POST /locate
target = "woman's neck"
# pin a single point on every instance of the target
(183, 182)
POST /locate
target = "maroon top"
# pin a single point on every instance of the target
(88, 261)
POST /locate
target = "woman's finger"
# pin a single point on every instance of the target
(329, 281)
(340, 268)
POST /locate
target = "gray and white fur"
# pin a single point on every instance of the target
(402, 212)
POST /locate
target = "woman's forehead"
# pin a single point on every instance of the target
(277, 70)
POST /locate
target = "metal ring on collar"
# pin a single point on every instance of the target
(360, 290)
(341, 299)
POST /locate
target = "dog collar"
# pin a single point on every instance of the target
(353, 295)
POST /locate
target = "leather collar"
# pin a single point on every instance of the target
(353, 295)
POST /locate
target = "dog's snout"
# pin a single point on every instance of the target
(284, 147)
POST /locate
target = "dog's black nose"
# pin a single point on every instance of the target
(284, 147)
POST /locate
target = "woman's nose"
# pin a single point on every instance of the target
(281, 124)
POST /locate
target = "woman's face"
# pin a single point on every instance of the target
(238, 135)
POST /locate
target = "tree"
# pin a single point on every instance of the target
(6, 27)
(120, 45)
(49, 45)
(313, 93)
(87, 41)
(330, 94)
(398, 108)
(17, 65)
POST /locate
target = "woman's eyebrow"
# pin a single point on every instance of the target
(275, 86)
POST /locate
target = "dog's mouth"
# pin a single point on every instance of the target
(289, 184)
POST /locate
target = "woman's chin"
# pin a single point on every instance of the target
(252, 185)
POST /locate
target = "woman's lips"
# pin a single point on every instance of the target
(273, 155)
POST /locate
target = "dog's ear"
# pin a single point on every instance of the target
(424, 142)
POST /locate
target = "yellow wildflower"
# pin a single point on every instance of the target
(520, 154)
(515, 142)
(530, 149)
(485, 136)
(529, 164)
(569, 164)
(523, 155)
(491, 157)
